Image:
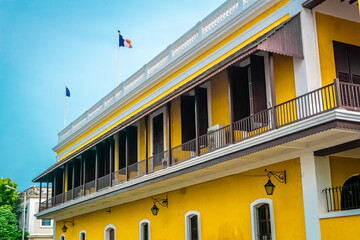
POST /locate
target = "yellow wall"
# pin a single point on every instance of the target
(176, 122)
(224, 207)
(341, 228)
(328, 29)
(220, 99)
(192, 63)
(284, 78)
(342, 168)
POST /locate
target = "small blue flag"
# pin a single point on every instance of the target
(67, 92)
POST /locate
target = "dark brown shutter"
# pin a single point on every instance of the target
(187, 118)
(241, 104)
(158, 134)
(258, 83)
(122, 149)
(131, 133)
(203, 110)
(354, 62)
(341, 62)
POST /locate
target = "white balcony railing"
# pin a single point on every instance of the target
(200, 31)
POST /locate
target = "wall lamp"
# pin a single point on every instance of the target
(278, 175)
(70, 223)
(163, 202)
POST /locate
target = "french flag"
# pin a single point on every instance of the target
(124, 42)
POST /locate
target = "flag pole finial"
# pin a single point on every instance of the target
(118, 31)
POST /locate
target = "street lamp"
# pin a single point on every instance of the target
(23, 227)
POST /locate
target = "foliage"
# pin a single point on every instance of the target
(8, 196)
(9, 229)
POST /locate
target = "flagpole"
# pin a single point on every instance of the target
(65, 110)
(118, 55)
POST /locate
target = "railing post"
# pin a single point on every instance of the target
(337, 92)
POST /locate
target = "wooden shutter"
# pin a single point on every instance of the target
(187, 118)
(122, 149)
(240, 93)
(257, 87)
(131, 134)
(202, 110)
(341, 62)
(158, 134)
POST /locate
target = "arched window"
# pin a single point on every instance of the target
(350, 197)
(144, 230)
(192, 226)
(262, 219)
(62, 237)
(110, 232)
(83, 235)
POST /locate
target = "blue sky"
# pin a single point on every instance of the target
(47, 44)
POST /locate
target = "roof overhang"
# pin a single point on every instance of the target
(284, 39)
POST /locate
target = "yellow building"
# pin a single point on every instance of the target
(260, 93)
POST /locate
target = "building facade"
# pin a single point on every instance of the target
(38, 229)
(247, 127)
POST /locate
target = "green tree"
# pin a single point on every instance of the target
(8, 196)
(9, 229)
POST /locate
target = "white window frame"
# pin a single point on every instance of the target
(188, 215)
(106, 232)
(156, 113)
(62, 235)
(83, 231)
(141, 233)
(254, 217)
(44, 226)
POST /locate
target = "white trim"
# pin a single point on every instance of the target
(62, 235)
(292, 7)
(188, 215)
(141, 234)
(106, 237)
(254, 217)
(153, 115)
(83, 231)
(346, 213)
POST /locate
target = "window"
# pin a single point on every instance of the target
(350, 197)
(62, 237)
(110, 232)
(83, 235)
(45, 222)
(145, 230)
(192, 226)
(347, 62)
(262, 221)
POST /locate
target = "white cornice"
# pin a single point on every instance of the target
(291, 8)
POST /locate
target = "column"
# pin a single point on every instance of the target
(272, 88)
(197, 123)
(96, 166)
(116, 157)
(146, 145)
(316, 176)
(168, 108)
(40, 197)
(47, 194)
(111, 158)
(307, 70)
(63, 184)
(126, 156)
(73, 179)
(231, 110)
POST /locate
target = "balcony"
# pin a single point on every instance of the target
(327, 98)
(342, 198)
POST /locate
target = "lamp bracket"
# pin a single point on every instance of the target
(163, 202)
(278, 175)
